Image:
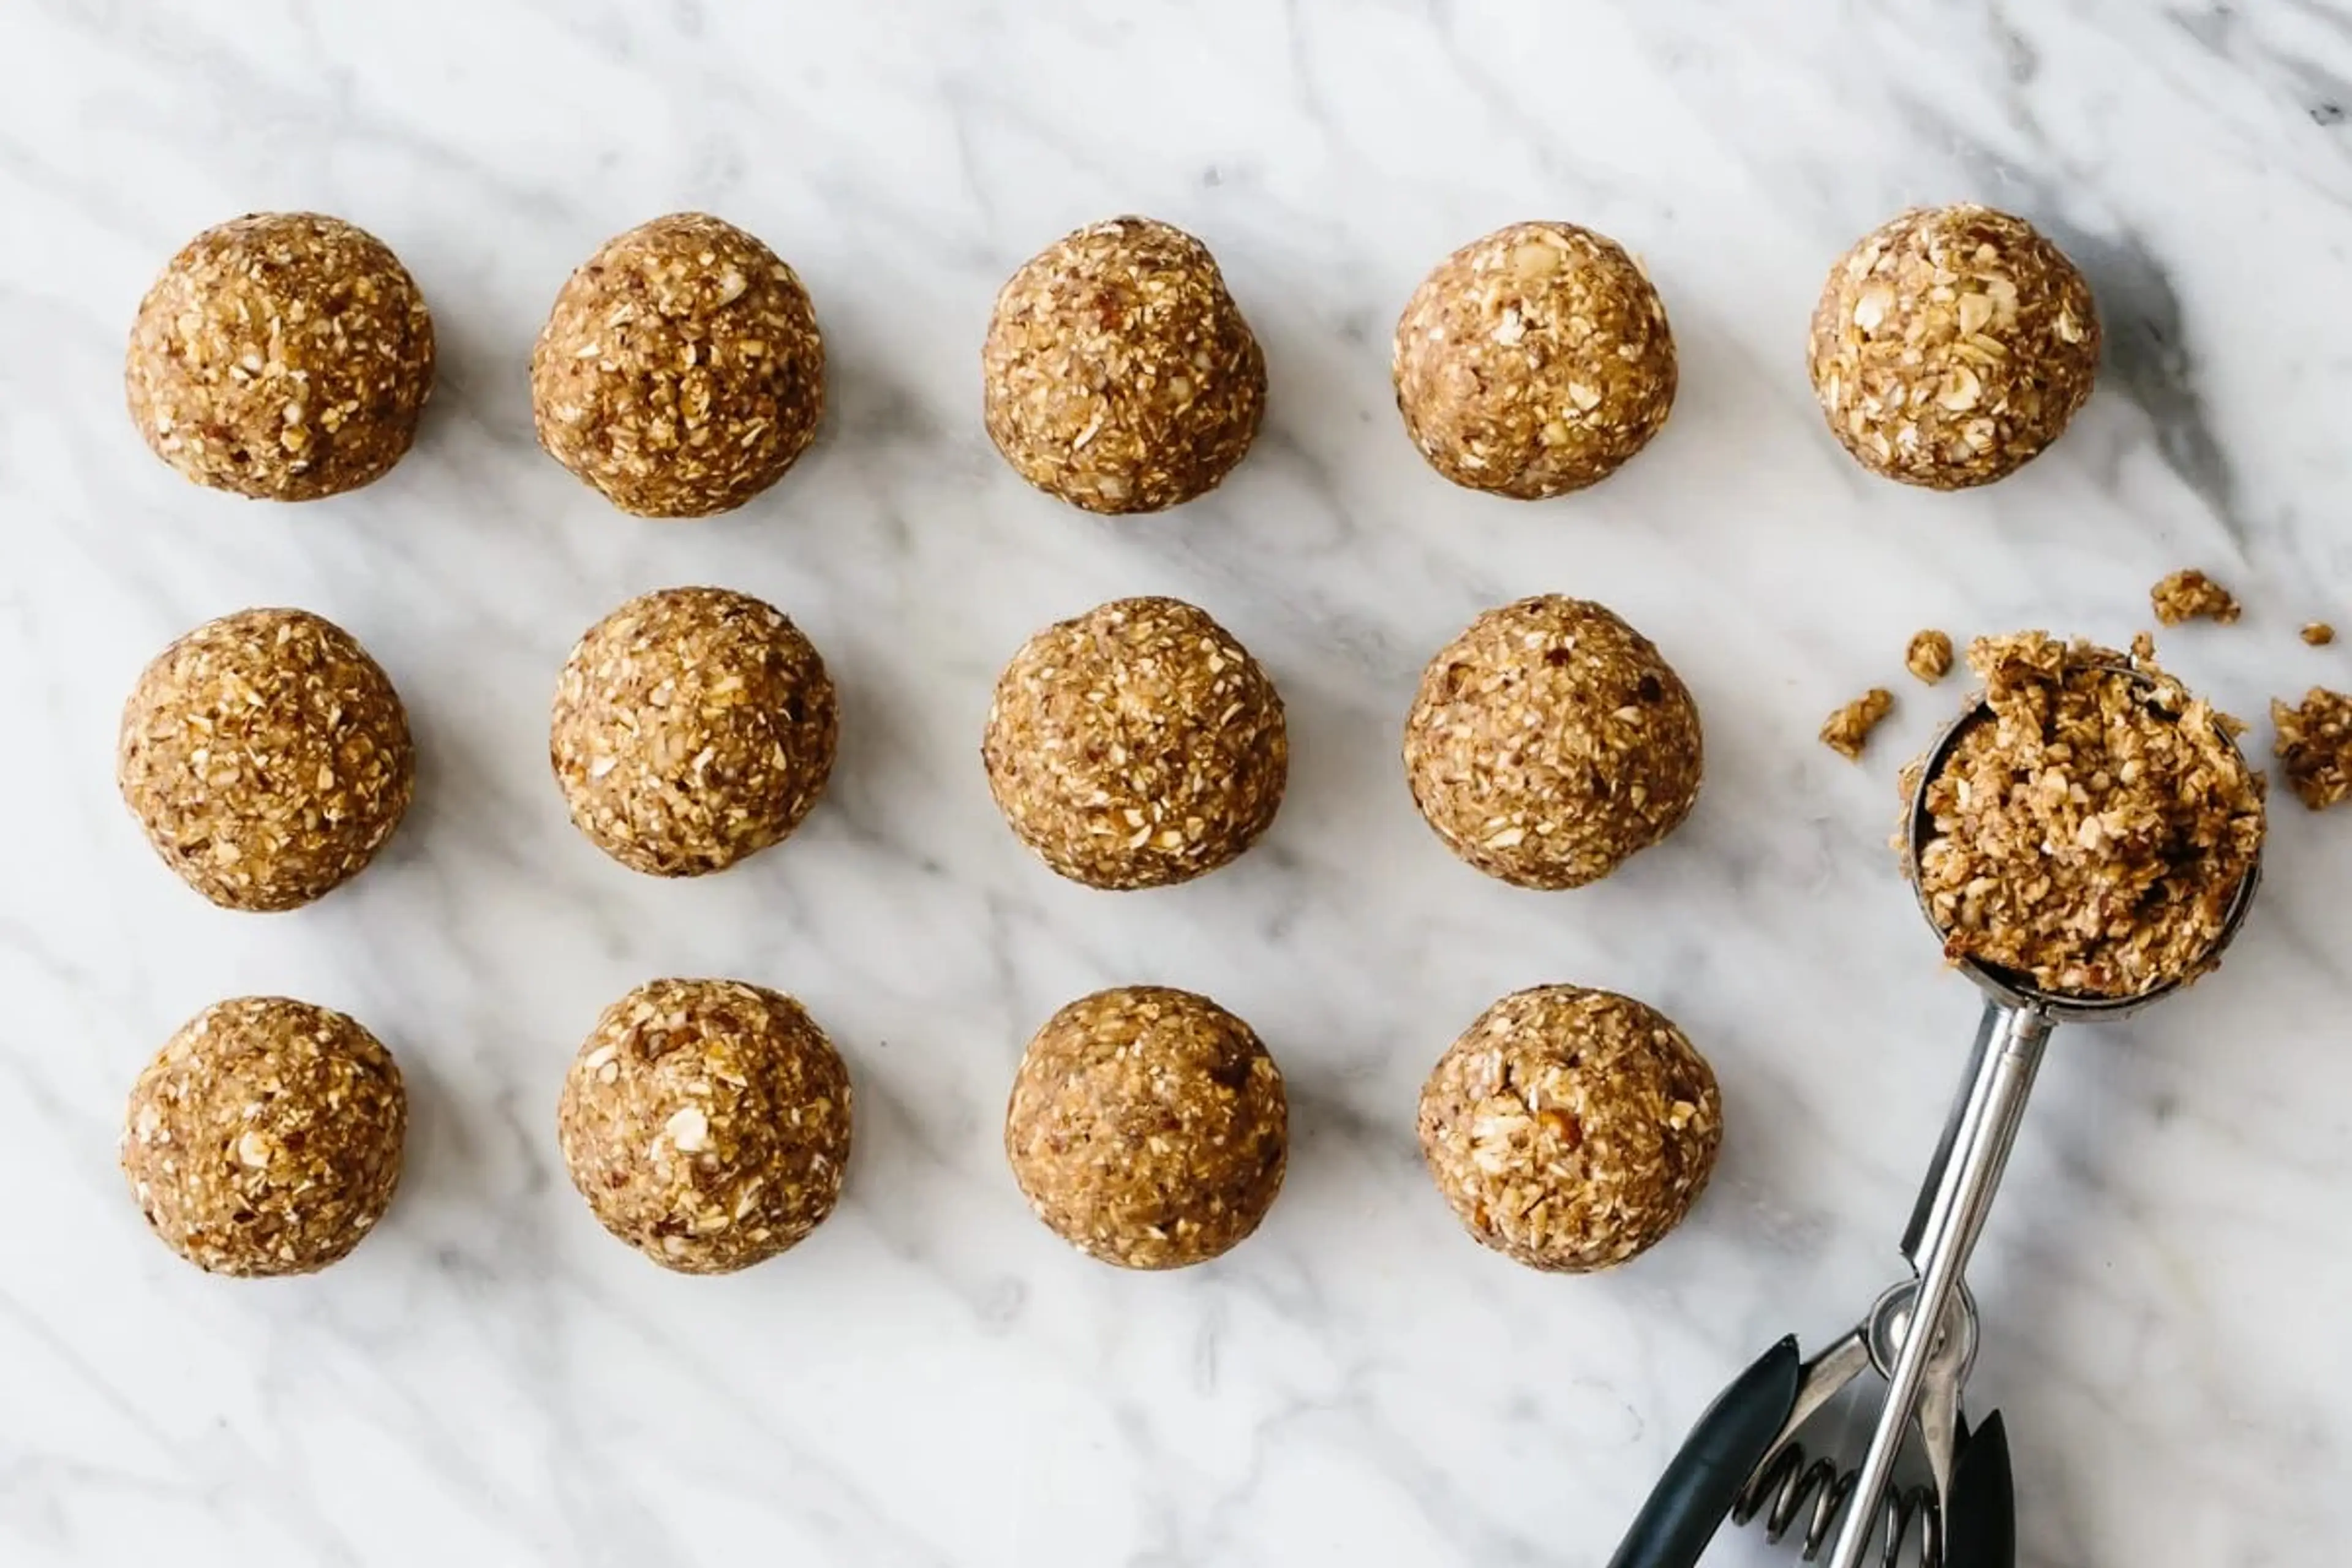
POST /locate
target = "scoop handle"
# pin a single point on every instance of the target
(1689, 1503)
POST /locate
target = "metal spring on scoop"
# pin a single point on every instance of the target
(1791, 1483)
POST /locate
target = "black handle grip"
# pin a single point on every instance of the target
(1687, 1505)
(1980, 1518)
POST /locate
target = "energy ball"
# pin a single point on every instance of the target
(680, 372)
(1136, 746)
(707, 1123)
(1119, 373)
(285, 356)
(1551, 742)
(1570, 1130)
(268, 757)
(265, 1137)
(1534, 362)
(1951, 345)
(692, 727)
(1148, 1127)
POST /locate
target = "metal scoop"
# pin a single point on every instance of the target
(1743, 1460)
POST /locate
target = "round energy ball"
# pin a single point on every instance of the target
(265, 1137)
(680, 372)
(1551, 742)
(707, 1123)
(1534, 362)
(1119, 373)
(268, 757)
(1951, 345)
(692, 727)
(1136, 746)
(1570, 1130)
(285, 356)
(1148, 1127)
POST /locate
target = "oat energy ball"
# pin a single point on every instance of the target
(707, 1123)
(1570, 1130)
(1148, 1127)
(681, 371)
(1136, 746)
(1534, 362)
(1951, 345)
(285, 356)
(265, 1138)
(692, 727)
(1551, 742)
(268, 757)
(2314, 746)
(2092, 832)
(1118, 374)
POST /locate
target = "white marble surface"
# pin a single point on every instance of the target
(933, 1379)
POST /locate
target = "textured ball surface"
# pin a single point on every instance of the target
(707, 1123)
(283, 356)
(1148, 1127)
(265, 1137)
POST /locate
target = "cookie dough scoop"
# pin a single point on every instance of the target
(1747, 1459)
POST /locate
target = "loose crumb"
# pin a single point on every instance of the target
(2314, 746)
(2143, 648)
(1847, 730)
(2093, 829)
(2189, 595)
(1929, 656)
(2319, 634)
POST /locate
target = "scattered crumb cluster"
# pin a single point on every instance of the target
(2314, 746)
(1929, 656)
(2189, 594)
(2092, 831)
(1847, 730)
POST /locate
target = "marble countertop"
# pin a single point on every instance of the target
(933, 1379)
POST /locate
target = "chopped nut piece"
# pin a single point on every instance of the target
(284, 356)
(1534, 362)
(1929, 656)
(265, 1137)
(2314, 746)
(1951, 345)
(268, 757)
(2191, 595)
(707, 1123)
(1118, 374)
(2093, 828)
(1847, 730)
(692, 727)
(2319, 634)
(1148, 1127)
(1570, 1130)
(1551, 742)
(680, 372)
(1136, 746)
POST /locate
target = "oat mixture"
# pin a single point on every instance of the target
(1847, 730)
(1135, 746)
(2191, 595)
(1570, 1130)
(2314, 746)
(692, 727)
(681, 371)
(2319, 634)
(1929, 656)
(266, 756)
(1951, 345)
(265, 1137)
(1119, 373)
(1534, 362)
(2092, 831)
(707, 1123)
(1148, 1127)
(284, 356)
(1551, 742)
